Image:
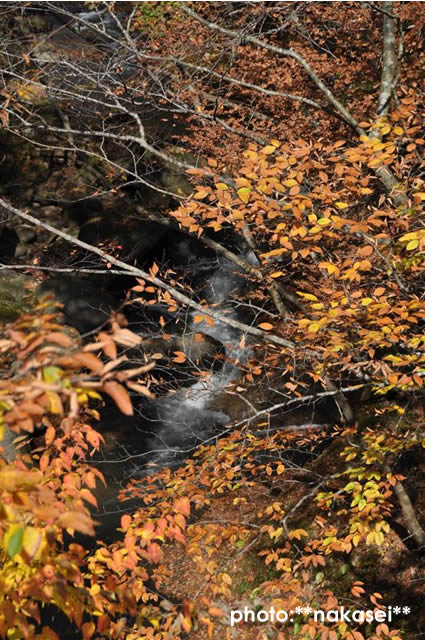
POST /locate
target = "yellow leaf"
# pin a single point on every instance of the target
(199, 195)
(76, 521)
(366, 301)
(226, 578)
(268, 150)
(242, 182)
(323, 221)
(314, 327)
(398, 130)
(341, 205)
(31, 541)
(51, 375)
(308, 296)
(55, 404)
(275, 142)
(409, 236)
(244, 194)
(413, 244)
(220, 186)
(385, 129)
(330, 268)
(420, 195)
(379, 537)
(276, 274)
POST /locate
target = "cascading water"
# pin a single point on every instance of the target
(172, 426)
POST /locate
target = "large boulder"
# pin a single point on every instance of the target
(85, 306)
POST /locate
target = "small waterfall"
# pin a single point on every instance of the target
(171, 427)
(185, 419)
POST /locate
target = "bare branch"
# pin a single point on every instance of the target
(150, 278)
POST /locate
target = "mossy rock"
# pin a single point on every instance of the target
(15, 296)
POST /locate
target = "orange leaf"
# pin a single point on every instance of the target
(266, 326)
(365, 251)
(125, 521)
(180, 357)
(88, 630)
(379, 291)
(50, 435)
(215, 611)
(182, 505)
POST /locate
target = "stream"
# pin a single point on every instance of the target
(169, 428)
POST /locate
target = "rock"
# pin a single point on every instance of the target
(51, 211)
(26, 234)
(21, 250)
(86, 306)
(8, 243)
(16, 296)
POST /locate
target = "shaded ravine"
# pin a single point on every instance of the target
(171, 427)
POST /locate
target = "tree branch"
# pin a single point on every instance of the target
(388, 61)
(291, 53)
(150, 278)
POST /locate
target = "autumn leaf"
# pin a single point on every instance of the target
(182, 505)
(90, 361)
(13, 539)
(244, 194)
(76, 521)
(31, 541)
(120, 396)
(180, 357)
(52, 374)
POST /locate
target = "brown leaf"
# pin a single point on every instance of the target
(108, 345)
(90, 361)
(59, 338)
(140, 388)
(127, 338)
(120, 396)
(130, 373)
